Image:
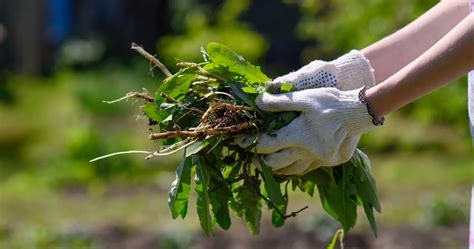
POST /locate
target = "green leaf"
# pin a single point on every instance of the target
(286, 87)
(235, 201)
(230, 172)
(337, 199)
(203, 199)
(249, 89)
(271, 186)
(205, 56)
(320, 176)
(294, 183)
(247, 203)
(220, 70)
(237, 89)
(307, 187)
(287, 117)
(219, 195)
(340, 199)
(278, 121)
(253, 217)
(253, 212)
(370, 216)
(174, 86)
(152, 111)
(366, 188)
(325, 202)
(277, 219)
(198, 146)
(367, 184)
(179, 192)
(223, 55)
(274, 194)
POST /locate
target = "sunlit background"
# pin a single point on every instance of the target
(60, 58)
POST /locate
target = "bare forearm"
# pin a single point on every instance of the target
(448, 59)
(394, 52)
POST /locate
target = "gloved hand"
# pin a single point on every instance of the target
(348, 72)
(325, 134)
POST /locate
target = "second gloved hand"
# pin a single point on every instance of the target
(348, 72)
(325, 134)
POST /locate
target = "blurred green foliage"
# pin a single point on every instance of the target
(340, 26)
(196, 25)
(55, 125)
(445, 211)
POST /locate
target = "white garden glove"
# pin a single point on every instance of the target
(348, 72)
(325, 134)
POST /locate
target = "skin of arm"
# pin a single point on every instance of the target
(394, 52)
(448, 59)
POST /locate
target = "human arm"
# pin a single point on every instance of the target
(394, 52)
(380, 60)
(448, 59)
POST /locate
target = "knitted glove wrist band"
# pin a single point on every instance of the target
(363, 99)
(354, 71)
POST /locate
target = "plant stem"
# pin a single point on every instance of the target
(158, 153)
(169, 98)
(132, 95)
(293, 214)
(271, 203)
(151, 58)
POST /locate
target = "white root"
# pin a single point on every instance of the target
(121, 153)
(166, 153)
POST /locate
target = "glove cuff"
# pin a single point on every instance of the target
(354, 71)
(354, 117)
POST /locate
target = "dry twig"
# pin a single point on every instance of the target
(143, 95)
(151, 58)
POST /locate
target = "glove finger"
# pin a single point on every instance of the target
(314, 65)
(283, 158)
(281, 79)
(346, 150)
(292, 77)
(289, 78)
(297, 168)
(267, 144)
(285, 137)
(294, 101)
